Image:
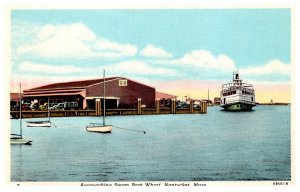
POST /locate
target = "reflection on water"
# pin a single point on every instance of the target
(216, 146)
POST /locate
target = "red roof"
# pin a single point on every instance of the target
(72, 84)
(164, 96)
(14, 96)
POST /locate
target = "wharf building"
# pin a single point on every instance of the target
(15, 101)
(164, 98)
(120, 92)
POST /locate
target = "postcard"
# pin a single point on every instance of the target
(150, 98)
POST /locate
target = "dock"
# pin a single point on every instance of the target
(113, 112)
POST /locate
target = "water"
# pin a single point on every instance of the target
(223, 146)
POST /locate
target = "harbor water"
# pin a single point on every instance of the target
(217, 146)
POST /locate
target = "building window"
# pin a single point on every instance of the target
(122, 82)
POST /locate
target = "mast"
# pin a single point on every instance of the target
(104, 97)
(20, 101)
(48, 110)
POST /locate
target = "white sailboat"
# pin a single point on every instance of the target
(95, 127)
(41, 123)
(18, 138)
(38, 124)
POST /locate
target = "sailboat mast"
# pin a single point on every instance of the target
(48, 109)
(20, 101)
(104, 97)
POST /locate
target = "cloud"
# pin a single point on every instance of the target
(206, 60)
(27, 66)
(273, 67)
(72, 41)
(155, 52)
(139, 68)
(113, 49)
(136, 68)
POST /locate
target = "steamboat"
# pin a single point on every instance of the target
(237, 96)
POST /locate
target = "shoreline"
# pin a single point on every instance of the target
(273, 103)
(258, 104)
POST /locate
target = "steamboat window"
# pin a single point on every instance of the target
(122, 83)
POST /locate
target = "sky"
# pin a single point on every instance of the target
(184, 52)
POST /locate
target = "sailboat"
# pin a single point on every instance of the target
(18, 138)
(41, 123)
(95, 127)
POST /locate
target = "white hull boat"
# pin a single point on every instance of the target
(20, 141)
(17, 139)
(44, 123)
(99, 128)
(96, 127)
(237, 96)
(38, 124)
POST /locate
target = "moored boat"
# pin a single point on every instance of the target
(17, 139)
(38, 124)
(237, 96)
(100, 128)
(41, 123)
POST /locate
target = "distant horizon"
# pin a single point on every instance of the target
(179, 52)
(180, 94)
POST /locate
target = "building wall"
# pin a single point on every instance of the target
(128, 94)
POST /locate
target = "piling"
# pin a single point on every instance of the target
(203, 107)
(157, 103)
(98, 107)
(139, 107)
(173, 106)
(191, 106)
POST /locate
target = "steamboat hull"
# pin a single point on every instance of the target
(238, 106)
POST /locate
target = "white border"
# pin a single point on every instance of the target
(5, 71)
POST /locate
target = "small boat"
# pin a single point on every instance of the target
(100, 128)
(41, 123)
(237, 96)
(17, 139)
(38, 124)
